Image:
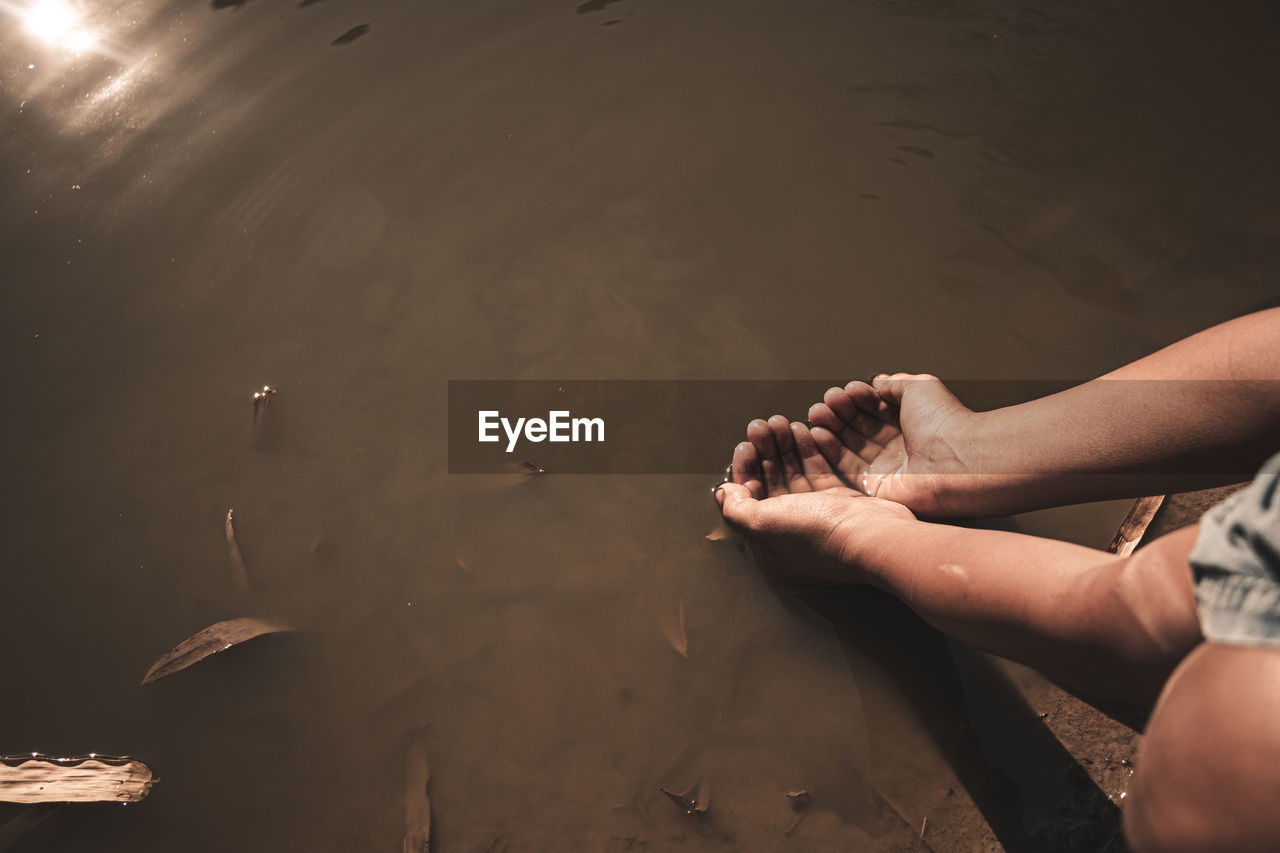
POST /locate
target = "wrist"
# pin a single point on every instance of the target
(979, 483)
(870, 544)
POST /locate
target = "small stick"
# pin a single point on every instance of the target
(239, 576)
(676, 635)
(262, 399)
(261, 402)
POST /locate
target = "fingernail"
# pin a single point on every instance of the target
(720, 497)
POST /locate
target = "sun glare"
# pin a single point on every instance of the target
(57, 23)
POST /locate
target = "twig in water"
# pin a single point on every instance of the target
(239, 576)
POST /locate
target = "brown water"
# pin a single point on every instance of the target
(218, 198)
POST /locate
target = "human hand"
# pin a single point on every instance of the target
(801, 521)
(904, 438)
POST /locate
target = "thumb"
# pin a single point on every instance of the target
(738, 507)
(925, 389)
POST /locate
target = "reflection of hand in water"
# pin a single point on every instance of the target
(905, 440)
(789, 502)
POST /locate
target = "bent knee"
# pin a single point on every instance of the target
(1208, 771)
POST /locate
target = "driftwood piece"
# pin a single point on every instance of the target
(239, 576)
(210, 641)
(417, 802)
(39, 778)
(1135, 525)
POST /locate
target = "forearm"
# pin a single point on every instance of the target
(1106, 625)
(1201, 412)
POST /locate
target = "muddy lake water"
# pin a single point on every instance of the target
(356, 202)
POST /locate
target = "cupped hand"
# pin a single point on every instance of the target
(803, 524)
(904, 438)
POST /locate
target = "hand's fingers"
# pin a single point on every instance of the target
(860, 414)
(849, 465)
(816, 468)
(841, 403)
(745, 470)
(853, 418)
(759, 434)
(740, 509)
(866, 399)
(822, 415)
(792, 470)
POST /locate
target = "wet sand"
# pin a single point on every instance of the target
(228, 195)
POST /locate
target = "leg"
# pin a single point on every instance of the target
(1208, 773)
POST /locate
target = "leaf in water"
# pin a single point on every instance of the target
(36, 778)
(676, 635)
(239, 576)
(696, 800)
(417, 803)
(800, 801)
(210, 641)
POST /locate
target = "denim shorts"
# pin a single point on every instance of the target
(1235, 564)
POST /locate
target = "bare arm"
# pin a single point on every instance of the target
(1204, 411)
(1113, 626)
(1109, 626)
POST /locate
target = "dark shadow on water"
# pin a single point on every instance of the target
(350, 35)
(595, 6)
(228, 4)
(17, 821)
(919, 662)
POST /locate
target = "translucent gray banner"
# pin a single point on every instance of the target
(691, 426)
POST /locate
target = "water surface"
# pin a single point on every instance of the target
(356, 202)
